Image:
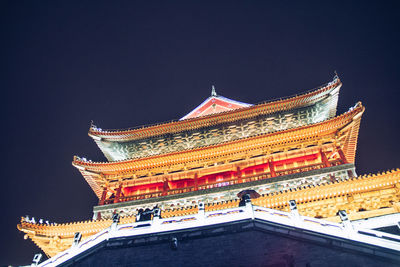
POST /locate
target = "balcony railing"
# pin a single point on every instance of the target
(234, 180)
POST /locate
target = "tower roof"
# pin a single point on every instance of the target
(234, 114)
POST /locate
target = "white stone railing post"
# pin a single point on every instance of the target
(294, 213)
(249, 206)
(36, 259)
(156, 217)
(202, 213)
(348, 227)
(77, 239)
(115, 219)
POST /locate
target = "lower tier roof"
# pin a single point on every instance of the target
(363, 197)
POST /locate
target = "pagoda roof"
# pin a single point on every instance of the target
(226, 111)
(343, 128)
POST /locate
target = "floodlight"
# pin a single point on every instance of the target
(77, 238)
(293, 205)
(115, 218)
(343, 215)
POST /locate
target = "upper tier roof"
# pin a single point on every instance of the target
(207, 118)
(214, 104)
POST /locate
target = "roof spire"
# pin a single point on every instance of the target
(213, 93)
(336, 75)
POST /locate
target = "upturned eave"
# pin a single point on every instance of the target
(342, 129)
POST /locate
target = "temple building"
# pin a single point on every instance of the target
(279, 171)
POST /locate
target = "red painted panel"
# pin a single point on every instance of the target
(281, 162)
(131, 189)
(181, 183)
(216, 177)
(292, 160)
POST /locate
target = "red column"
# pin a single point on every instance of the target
(165, 188)
(196, 184)
(103, 196)
(118, 194)
(271, 168)
(324, 159)
(239, 175)
(342, 156)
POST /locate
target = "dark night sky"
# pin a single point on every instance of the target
(129, 63)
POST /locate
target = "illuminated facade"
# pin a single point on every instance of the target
(294, 148)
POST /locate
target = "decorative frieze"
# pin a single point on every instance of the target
(216, 135)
